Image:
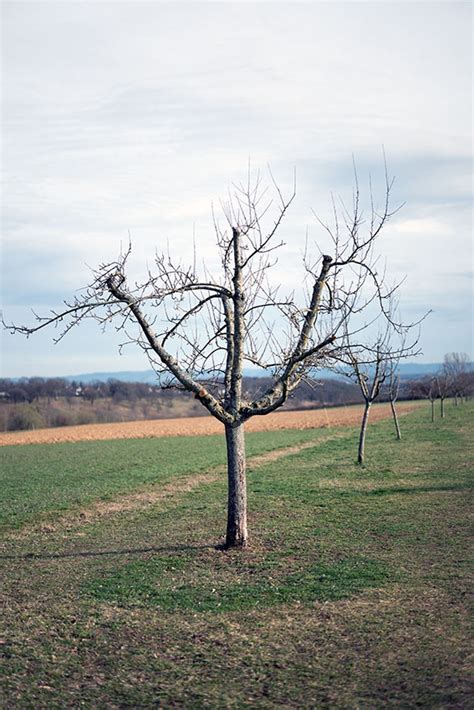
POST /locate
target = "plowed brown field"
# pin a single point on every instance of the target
(201, 426)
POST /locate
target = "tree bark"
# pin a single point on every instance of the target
(395, 419)
(237, 491)
(363, 431)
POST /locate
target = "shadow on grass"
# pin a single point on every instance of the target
(418, 489)
(402, 490)
(103, 553)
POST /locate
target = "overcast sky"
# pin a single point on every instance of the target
(136, 116)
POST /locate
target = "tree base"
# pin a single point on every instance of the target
(238, 545)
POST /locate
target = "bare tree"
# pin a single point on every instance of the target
(200, 330)
(425, 388)
(392, 368)
(369, 386)
(432, 394)
(393, 390)
(372, 366)
(444, 385)
(456, 369)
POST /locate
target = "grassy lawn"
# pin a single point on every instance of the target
(352, 594)
(41, 480)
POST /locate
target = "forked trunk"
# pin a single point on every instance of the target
(363, 431)
(395, 419)
(237, 493)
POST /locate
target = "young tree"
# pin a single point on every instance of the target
(444, 386)
(369, 384)
(393, 390)
(425, 388)
(456, 369)
(431, 389)
(392, 381)
(375, 365)
(200, 330)
(371, 366)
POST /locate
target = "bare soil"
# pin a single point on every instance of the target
(201, 426)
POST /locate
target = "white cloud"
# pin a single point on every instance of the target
(427, 226)
(136, 115)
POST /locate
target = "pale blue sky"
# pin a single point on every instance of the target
(135, 116)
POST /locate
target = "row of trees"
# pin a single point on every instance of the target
(382, 381)
(454, 379)
(199, 330)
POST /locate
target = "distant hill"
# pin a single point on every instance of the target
(145, 376)
(408, 370)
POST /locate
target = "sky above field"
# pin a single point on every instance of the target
(136, 117)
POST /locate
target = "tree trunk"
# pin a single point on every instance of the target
(363, 431)
(442, 408)
(395, 419)
(432, 410)
(237, 493)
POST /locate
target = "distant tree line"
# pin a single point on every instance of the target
(453, 379)
(38, 402)
(31, 389)
(35, 402)
(327, 392)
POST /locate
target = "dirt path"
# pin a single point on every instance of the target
(201, 426)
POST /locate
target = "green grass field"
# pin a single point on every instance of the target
(352, 594)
